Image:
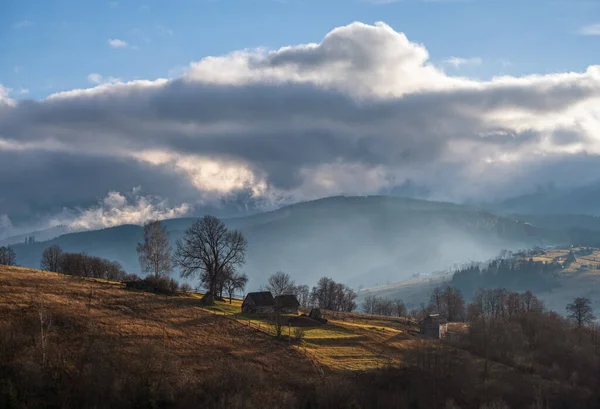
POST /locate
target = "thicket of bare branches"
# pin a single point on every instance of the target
(51, 258)
(329, 295)
(8, 257)
(375, 305)
(83, 265)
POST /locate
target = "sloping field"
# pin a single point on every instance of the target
(203, 337)
(200, 342)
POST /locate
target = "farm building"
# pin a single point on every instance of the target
(434, 326)
(287, 303)
(259, 302)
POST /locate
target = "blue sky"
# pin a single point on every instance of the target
(48, 46)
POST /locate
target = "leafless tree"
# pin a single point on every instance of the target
(155, 252)
(235, 281)
(580, 311)
(45, 327)
(281, 283)
(303, 295)
(368, 304)
(8, 256)
(435, 301)
(51, 258)
(400, 308)
(209, 249)
(453, 304)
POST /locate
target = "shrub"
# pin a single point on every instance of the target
(131, 277)
(299, 333)
(186, 288)
(161, 285)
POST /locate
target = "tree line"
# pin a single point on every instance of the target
(326, 294)
(80, 264)
(513, 274)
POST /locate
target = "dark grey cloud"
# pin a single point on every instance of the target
(361, 112)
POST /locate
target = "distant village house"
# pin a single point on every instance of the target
(263, 303)
(260, 302)
(434, 326)
(287, 304)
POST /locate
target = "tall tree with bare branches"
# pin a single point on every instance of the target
(155, 252)
(580, 311)
(51, 258)
(209, 249)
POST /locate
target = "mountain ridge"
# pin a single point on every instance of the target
(356, 239)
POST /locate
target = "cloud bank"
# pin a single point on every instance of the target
(363, 111)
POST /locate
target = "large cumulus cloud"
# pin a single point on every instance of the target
(361, 112)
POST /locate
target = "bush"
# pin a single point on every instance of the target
(131, 277)
(186, 288)
(161, 285)
(299, 333)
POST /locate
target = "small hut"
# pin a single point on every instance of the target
(260, 302)
(434, 326)
(287, 304)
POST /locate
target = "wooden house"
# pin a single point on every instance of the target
(259, 302)
(287, 304)
(434, 326)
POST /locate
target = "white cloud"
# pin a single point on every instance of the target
(590, 30)
(94, 78)
(116, 43)
(23, 24)
(117, 209)
(457, 62)
(23, 91)
(362, 111)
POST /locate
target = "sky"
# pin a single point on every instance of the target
(121, 111)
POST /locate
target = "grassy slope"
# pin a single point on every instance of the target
(202, 340)
(205, 337)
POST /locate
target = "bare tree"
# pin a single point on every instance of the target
(435, 301)
(209, 249)
(580, 311)
(51, 258)
(303, 294)
(8, 256)
(368, 304)
(45, 325)
(281, 283)
(155, 252)
(400, 308)
(235, 281)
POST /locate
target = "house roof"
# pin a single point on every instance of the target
(262, 298)
(286, 300)
(435, 318)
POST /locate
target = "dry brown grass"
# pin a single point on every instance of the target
(201, 340)
(203, 337)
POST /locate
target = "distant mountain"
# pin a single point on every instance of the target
(551, 201)
(40, 235)
(357, 240)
